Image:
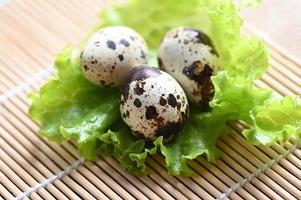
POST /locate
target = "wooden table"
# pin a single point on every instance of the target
(32, 32)
(281, 20)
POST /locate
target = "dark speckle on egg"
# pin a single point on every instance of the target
(111, 44)
(139, 88)
(201, 75)
(151, 112)
(201, 38)
(198, 72)
(127, 113)
(162, 101)
(137, 75)
(143, 54)
(124, 42)
(120, 57)
(168, 130)
(137, 103)
(172, 101)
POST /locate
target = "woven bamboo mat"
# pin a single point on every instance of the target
(31, 34)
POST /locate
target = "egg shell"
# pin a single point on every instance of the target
(189, 56)
(111, 53)
(153, 104)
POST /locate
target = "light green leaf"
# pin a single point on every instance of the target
(69, 107)
(278, 119)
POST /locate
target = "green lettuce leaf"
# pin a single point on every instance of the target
(198, 137)
(234, 98)
(126, 148)
(239, 56)
(68, 107)
(278, 119)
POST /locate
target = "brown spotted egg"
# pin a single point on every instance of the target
(111, 53)
(153, 104)
(189, 56)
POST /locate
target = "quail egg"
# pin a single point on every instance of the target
(153, 104)
(111, 53)
(189, 56)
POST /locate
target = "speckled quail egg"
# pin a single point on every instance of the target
(153, 104)
(111, 53)
(189, 56)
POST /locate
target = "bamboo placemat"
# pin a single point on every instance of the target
(33, 168)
